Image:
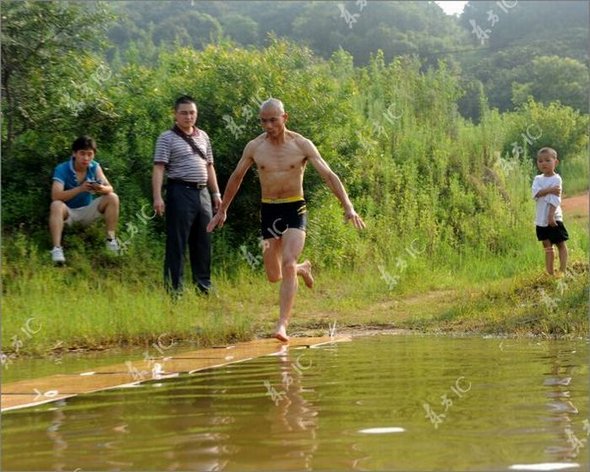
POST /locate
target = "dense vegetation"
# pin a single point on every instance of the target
(427, 180)
(510, 49)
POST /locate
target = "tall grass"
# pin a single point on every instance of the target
(68, 308)
(575, 173)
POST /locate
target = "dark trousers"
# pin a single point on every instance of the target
(188, 212)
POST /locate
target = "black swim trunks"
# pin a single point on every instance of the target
(276, 218)
(555, 234)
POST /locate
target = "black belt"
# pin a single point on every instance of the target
(196, 185)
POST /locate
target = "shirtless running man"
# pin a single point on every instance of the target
(280, 156)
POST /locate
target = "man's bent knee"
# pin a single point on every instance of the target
(273, 274)
(111, 198)
(58, 207)
(274, 277)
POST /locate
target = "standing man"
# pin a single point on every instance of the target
(75, 183)
(185, 153)
(280, 156)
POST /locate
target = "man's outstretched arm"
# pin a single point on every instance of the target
(333, 182)
(231, 189)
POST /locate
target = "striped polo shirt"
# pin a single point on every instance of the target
(180, 161)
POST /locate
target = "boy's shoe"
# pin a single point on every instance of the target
(113, 246)
(57, 255)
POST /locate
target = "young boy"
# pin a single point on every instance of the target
(549, 219)
(75, 182)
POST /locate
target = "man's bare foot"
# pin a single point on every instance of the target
(281, 334)
(305, 271)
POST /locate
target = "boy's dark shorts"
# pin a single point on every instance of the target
(276, 218)
(555, 234)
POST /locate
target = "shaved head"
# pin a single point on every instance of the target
(272, 103)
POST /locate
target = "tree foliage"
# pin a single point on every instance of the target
(553, 78)
(415, 168)
(48, 50)
(53, 79)
(531, 48)
(505, 60)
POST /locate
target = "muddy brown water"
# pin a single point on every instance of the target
(383, 402)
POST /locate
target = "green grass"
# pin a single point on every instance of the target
(528, 304)
(574, 173)
(98, 301)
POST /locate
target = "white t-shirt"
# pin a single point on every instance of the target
(541, 182)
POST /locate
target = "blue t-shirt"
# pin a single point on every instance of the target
(66, 174)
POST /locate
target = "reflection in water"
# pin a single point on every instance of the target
(53, 433)
(201, 423)
(561, 409)
(349, 406)
(294, 413)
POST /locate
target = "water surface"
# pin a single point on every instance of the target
(400, 403)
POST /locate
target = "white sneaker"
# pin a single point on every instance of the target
(57, 255)
(113, 245)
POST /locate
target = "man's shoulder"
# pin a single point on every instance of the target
(304, 144)
(203, 133)
(62, 167)
(257, 141)
(295, 136)
(166, 134)
(63, 164)
(299, 139)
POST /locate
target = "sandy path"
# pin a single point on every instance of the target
(577, 203)
(576, 207)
